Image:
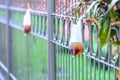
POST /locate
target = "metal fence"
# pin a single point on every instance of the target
(44, 53)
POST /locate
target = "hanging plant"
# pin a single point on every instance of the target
(105, 13)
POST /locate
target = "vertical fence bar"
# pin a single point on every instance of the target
(119, 54)
(104, 71)
(8, 41)
(51, 46)
(119, 49)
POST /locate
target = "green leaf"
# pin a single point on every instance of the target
(117, 14)
(91, 7)
(104, 34)
(108, 1)
(112, 15)
(112, 4)
(95, 10)
(86, 0)
(116, 43)
(76, 7)
(112, 33)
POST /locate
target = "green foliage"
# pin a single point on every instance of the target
(86, 0)
(77, 8)
(113, 15)
(90, 8)
(104, 13)
(105, 30)
(117, 43)
(113, 33)
(107, 1)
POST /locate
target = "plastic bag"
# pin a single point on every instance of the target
(27, 20)
(76, 43)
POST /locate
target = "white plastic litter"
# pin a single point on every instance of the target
(27, 18)
(76, 32)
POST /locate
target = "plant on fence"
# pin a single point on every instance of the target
(27, 20)
(106, 15)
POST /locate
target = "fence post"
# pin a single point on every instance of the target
(51, 46)
(8, 41)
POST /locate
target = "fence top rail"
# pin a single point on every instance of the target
(63, 16)
(22, 9)
(3, 6)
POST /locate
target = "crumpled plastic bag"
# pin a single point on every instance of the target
(27, 20)
(76, 43)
